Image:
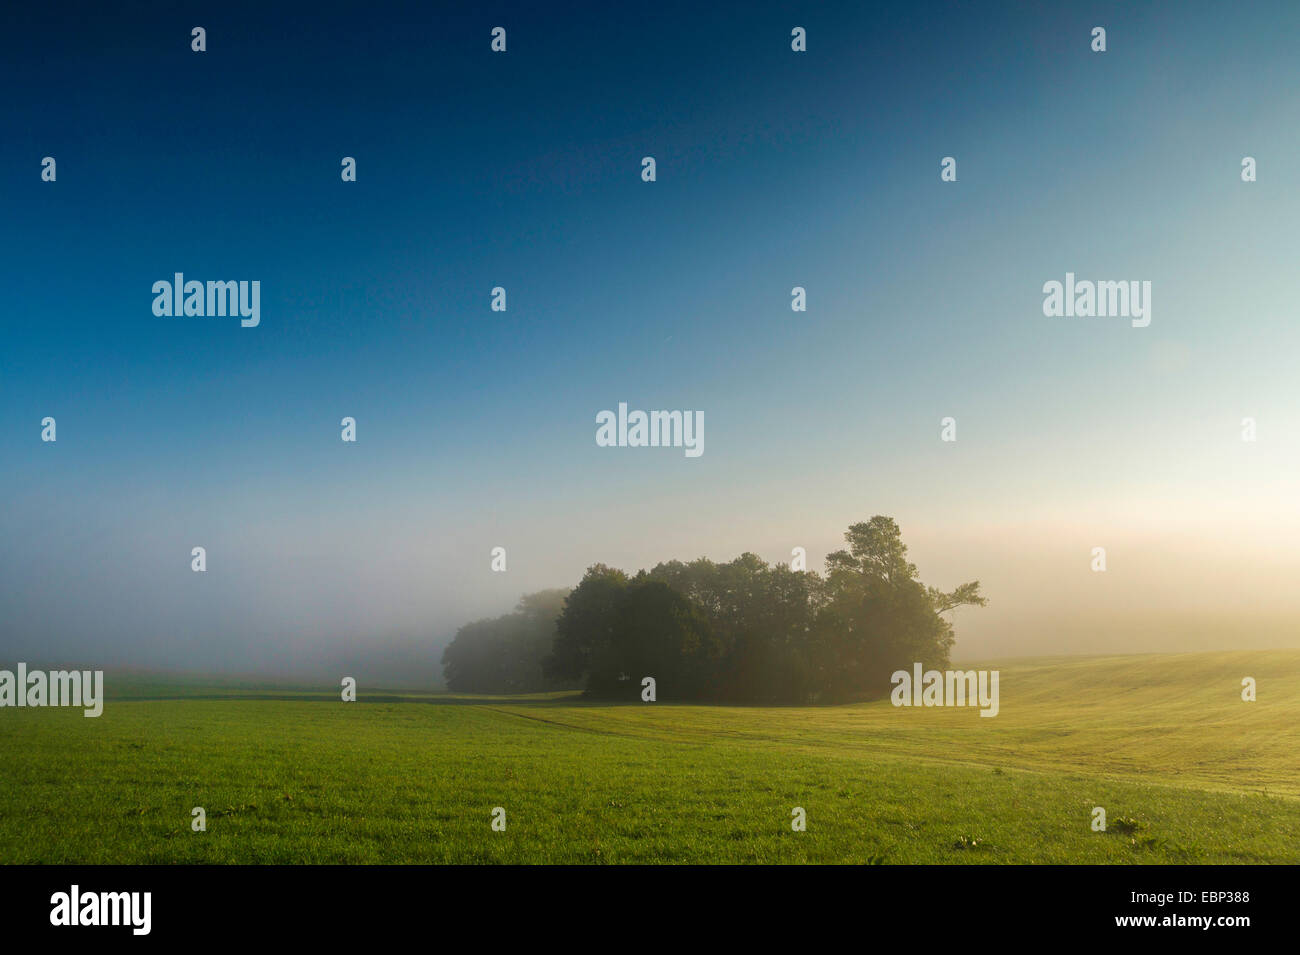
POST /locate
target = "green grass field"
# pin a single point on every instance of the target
(1186, 771)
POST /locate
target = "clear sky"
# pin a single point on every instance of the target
(774, 169)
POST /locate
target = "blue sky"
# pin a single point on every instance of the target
(775, 169)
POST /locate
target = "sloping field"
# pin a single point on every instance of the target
(1186, 771)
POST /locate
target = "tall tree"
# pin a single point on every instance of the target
(585, 628)
(879, 617)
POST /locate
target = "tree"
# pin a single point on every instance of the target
(615, 631)
(660, 633)
(879, 618)
(759, 617)
(585, 627)
(505, 654)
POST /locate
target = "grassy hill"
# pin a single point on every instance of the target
(1185, 770)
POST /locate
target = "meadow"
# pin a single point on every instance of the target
(1186, 771)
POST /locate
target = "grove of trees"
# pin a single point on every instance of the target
(742, 631)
